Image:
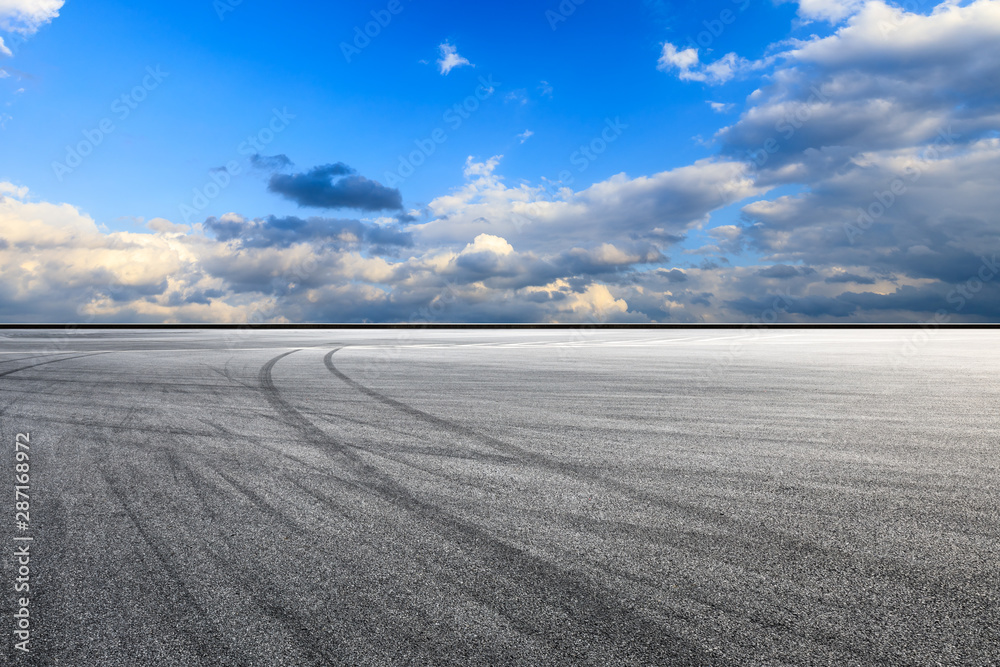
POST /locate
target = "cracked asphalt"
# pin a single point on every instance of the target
(612, 497)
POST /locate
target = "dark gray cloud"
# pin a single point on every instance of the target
(885, 147)
(270, 162)
(278, 232)
(336, 186)
(785, 271)
(812, 307)
(849, 278)
(673, 275)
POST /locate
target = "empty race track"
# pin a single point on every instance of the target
(678, 497)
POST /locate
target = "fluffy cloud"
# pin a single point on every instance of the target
(56, 264)
(689, 67)
(27, 16)
(827, 10)
(882, 137)
(450, 59)
(656, 209)
(890, 126)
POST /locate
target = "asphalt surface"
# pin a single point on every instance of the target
(504, 498)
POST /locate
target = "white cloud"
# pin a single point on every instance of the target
(655, 209)
(598, 302)
(882, 37)
(57, 264)
(682, 60)
(450, 59)
(27, 16)
(524, 136)
(489, 243)
(850, 114)
(690, 68)
(163, 226)
(18, 192)
(827, 10)
(720, 107)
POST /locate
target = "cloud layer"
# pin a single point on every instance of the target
(862, 172)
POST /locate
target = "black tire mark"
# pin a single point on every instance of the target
(721, 548)
(261, 503)
(595, 610)
(287, 620)
(30, 356)
(197, 485)
(210, 643)
(427, 450)
(93, 424)
(293, 417)
(789, 543)
(18, 396)
(545, 462)
(52, 361)
(522, 455)
(300, 626)
(425, 416)
(226, 374)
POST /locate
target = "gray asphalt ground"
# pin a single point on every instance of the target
(675, 497)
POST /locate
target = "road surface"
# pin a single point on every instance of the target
(664, 497)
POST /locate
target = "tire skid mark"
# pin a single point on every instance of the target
(789, 542)
(572, 470)
(93, 424)
(292, 624)
(32, 356)
(197, 484)
(759, 619)
(173, 463)
(229, 377)
(299, 626)
(51, 361)
(427, 417)
(260, 442)
(439, 451)
(293, 417)
(595, 609)
(521, 575)
(208, 643)
(517, 454)
(260, 502)
(329, 502)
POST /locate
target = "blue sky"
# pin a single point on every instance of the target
(506, 213)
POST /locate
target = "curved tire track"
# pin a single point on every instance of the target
(728, 538)
(518, 581)
(51, 361)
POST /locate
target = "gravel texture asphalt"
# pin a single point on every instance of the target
(682, 497)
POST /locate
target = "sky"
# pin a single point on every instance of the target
(577, 161)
